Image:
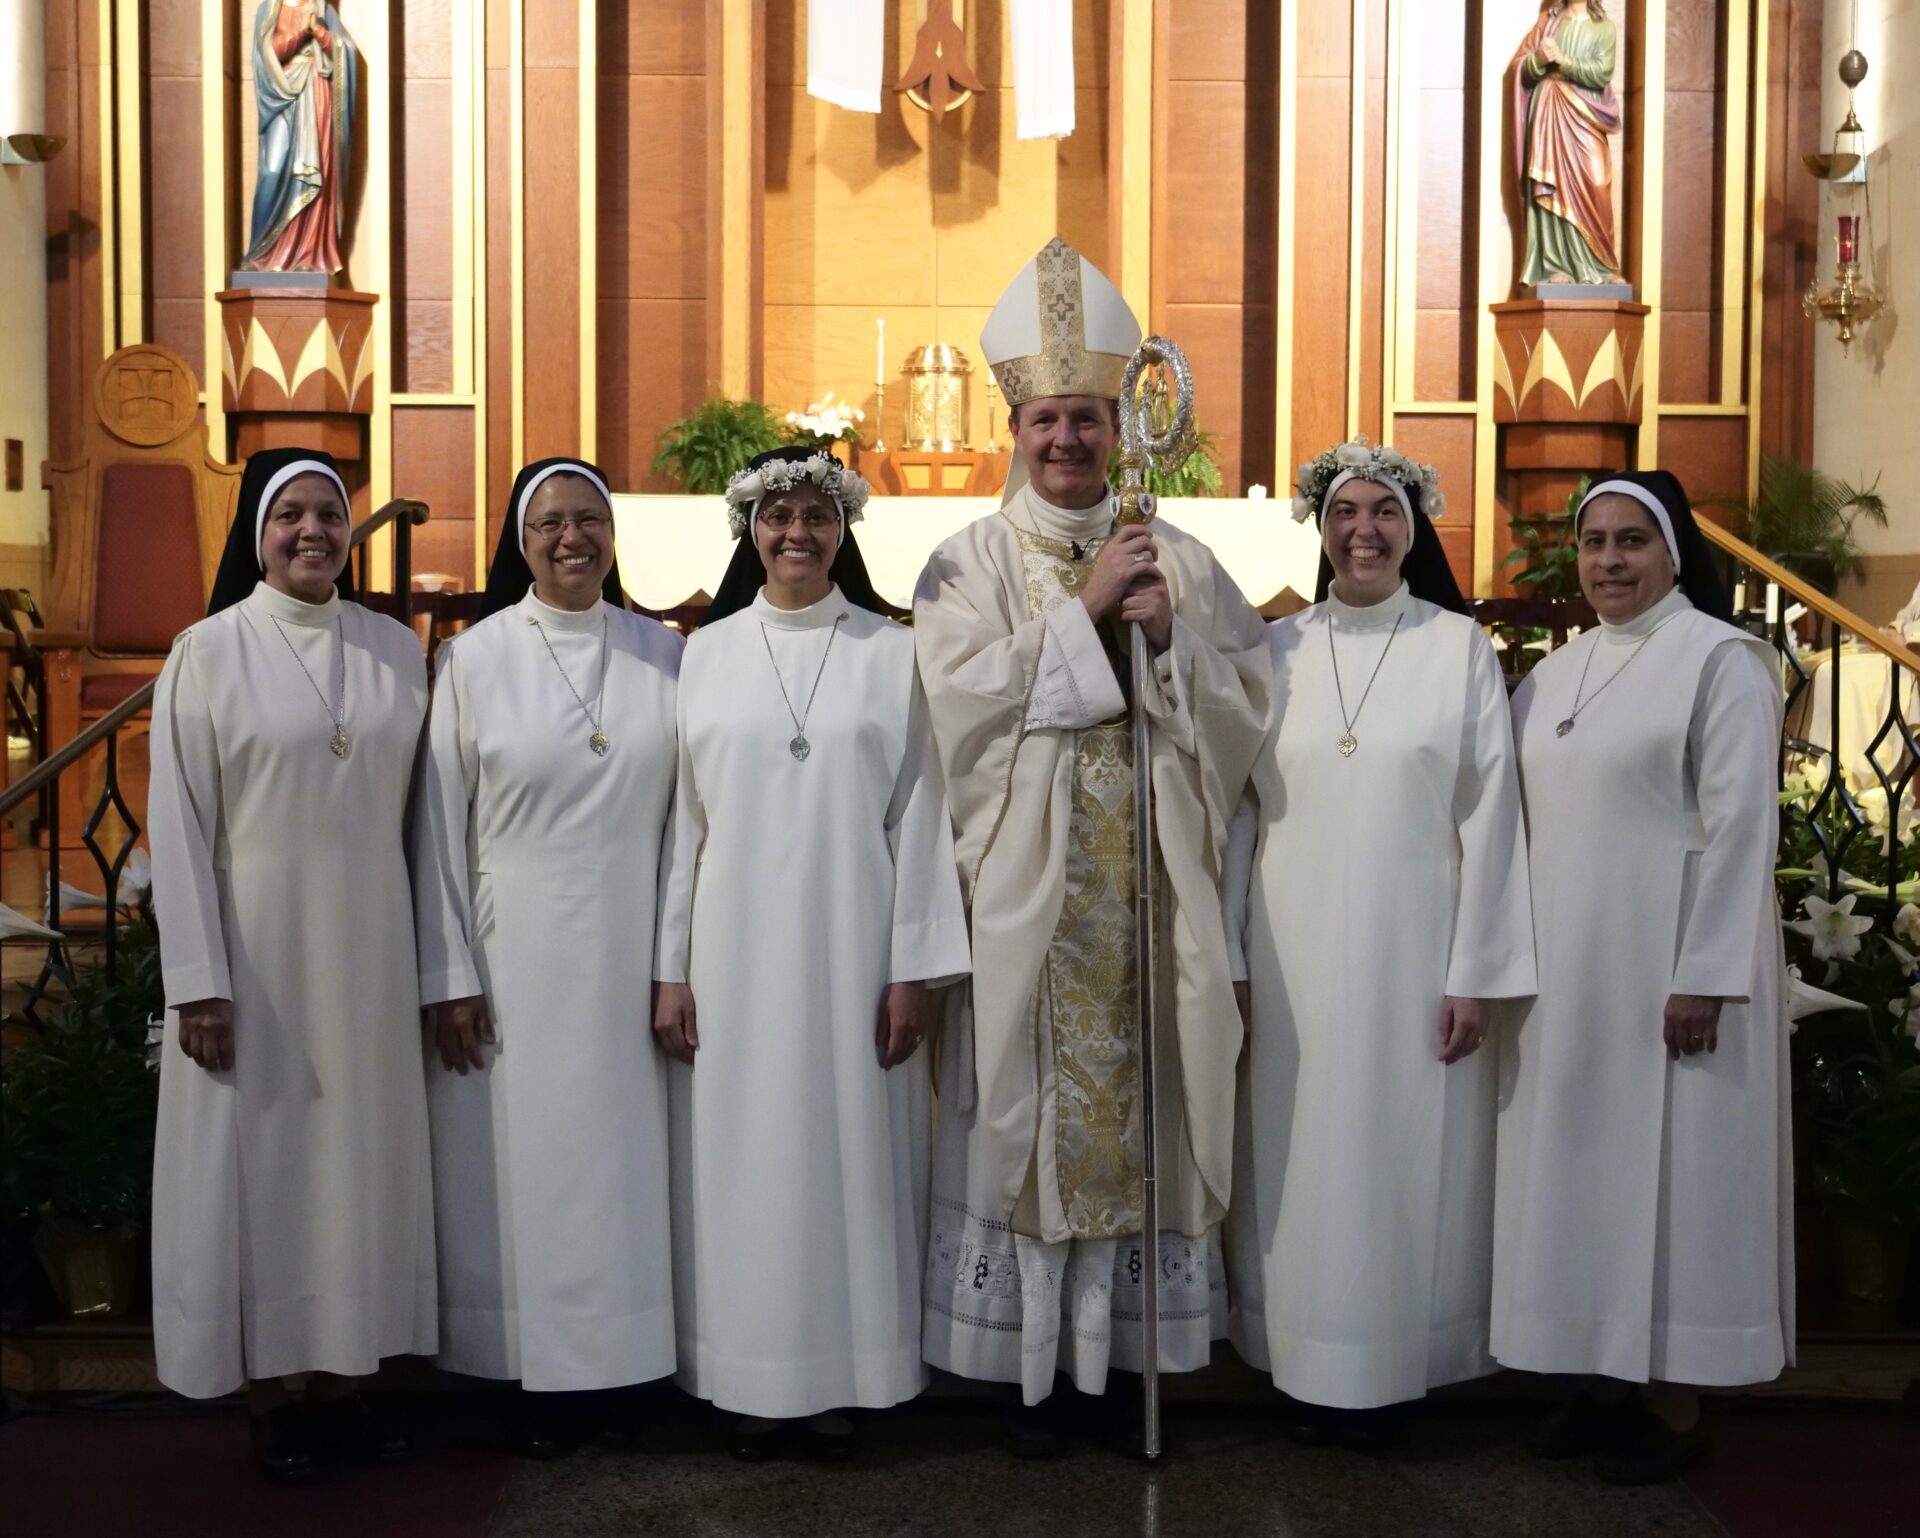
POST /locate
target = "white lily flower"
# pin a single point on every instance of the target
(1906, 924)
(1804, 999)
(1832, 927)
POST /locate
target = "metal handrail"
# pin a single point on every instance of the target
(1838, 614)
(49, 769)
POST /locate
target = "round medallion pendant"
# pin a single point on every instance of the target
(800, 747)
(1347, 743)
(598, 742)
(341, 744)
(1564, 727)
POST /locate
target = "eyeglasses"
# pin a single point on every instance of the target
(813, 520)
(586, 523)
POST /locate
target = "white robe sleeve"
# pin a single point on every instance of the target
(686, 836)
(443, 809)
(1236, 876)
(1075, 687)
(183, 824)
(1733, 744)
(929, 924)
(1492, 951)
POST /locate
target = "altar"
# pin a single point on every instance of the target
(674, 547)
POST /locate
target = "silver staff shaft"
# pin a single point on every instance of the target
(1146, 972)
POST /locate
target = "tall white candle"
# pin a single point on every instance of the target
(880, 351)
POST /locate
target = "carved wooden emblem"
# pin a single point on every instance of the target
(145, 396)
(939, 76)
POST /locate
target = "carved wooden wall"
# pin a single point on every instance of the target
(551, 190)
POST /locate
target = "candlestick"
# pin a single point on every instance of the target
(993, 420)
(880, 352)
(880, 417)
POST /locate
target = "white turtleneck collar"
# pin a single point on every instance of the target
(294, 611)
(1070, 524)
(1647, 620)
(587, 621)
(1374, 616)
(816, 616)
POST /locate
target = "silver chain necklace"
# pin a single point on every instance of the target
(800, 747)
(1348, 742)
(340, 742)
(599, 741)
(1578, 704)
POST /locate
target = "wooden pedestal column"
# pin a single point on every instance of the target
(296, 368)
(1568, 392)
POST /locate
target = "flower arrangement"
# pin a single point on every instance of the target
(821, 469)
(824, 422)
(1368, 462)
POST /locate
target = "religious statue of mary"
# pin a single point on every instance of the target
(303, 80)
(1563, 110)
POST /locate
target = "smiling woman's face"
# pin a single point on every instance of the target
(569, 543)
(1365, 534)
(303, 543)
(1625, 568)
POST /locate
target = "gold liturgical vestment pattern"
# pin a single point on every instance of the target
(1089, 976)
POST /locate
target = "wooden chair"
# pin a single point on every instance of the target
(139, 519)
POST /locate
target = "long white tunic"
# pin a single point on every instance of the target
(1360, 1240)
(292, 1225)
(1036, 1260)
(1644, 1217)
(798, 891)
(536, 870)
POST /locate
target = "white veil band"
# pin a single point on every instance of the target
(279, 480)
(565, 467)
(1646, 499)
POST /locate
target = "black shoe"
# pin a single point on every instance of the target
(830, 1438)
(1652, 1452)
(542, 1426)
(285, 1449)
(1363, 1431)
(1579, 1428)
(755, 1439)
(1031, 1431)
(353, 1431)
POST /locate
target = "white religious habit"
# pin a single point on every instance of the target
(801, 884)
(537, 863)
(1644, 1205)
(1365, 889)
(292, 1222)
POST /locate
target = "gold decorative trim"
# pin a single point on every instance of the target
(476, 202)
(589, 245)
(1491, 285)
(1653, 191)
(1356, 212)
(739, 91)
(1134, 111)
(320, 351)
(109, 167)
(1756, 314)
(517, 230)
(216, 23)
(130, 321)
(373, 32)
(1733, 233)
(1288, 150)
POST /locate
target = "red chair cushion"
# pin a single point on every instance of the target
(103, 691)
(147, 584)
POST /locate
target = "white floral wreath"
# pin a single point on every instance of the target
(748, 487)
(1366, 462)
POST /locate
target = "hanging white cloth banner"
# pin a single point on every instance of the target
(845, 40)
(1042, 32)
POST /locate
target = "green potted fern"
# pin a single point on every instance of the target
(700, 452)
(1806, 520)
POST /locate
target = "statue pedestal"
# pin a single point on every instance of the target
(1568, 395)
(296, 369)
(933, 473)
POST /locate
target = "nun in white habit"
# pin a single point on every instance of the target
(544, 806)
(812, 901)
(1376, 887)
(292, 1225)
(1644, 1219)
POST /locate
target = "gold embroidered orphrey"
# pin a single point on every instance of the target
(1063, 366)
(1090, 968)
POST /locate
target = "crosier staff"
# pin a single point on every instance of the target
(1140, 448)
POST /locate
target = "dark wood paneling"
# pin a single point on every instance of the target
(1230, 348)
(1443, 355)
(1222, 251)
(1209, 39)
(1709, 454)
(653, 39)
(174, 195)
(1320, 269)
(1446, 443)
(499, 313)
(422, 237)
(653, 186)
(433, 460)
(1446, 264)
(1694, 43)
(652, 370)
(423, 356)
(1689, 355)
(1695, 206)
(552, 307)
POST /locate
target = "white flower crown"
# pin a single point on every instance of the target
(1367, 462)
(748, 487)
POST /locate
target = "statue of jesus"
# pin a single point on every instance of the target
(303, 80)
(1563, 111)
